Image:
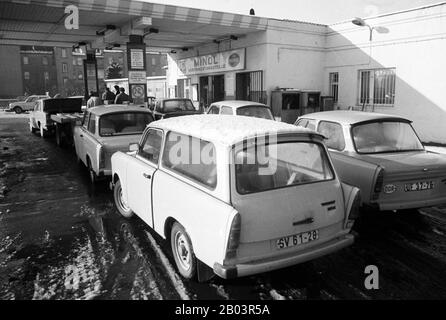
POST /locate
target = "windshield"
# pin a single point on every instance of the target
(255, 111)
(123, 123)
(385, 136)
(260, 168)
(177, 105)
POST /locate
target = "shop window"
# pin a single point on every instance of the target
(377, 87)
(334, 82)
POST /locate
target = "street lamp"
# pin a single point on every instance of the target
(361, 23)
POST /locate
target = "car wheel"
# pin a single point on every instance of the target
(120, 203)
(183, 251)
(31, 128)
(42, 132)
(18, 110)
(91, 173)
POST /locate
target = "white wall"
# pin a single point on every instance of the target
(415, 46)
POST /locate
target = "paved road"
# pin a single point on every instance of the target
(60, 239)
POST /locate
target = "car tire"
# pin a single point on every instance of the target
(182, 251)
(31, 128)
(43, 133)
(17, 109)
(92, 175)
(120, 204)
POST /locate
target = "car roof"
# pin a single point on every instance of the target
(238, 103)
(105, 109)
(226, 129)
(351, 117)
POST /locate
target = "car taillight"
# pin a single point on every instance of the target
(101, 157)
(234, 237)
(378, 184)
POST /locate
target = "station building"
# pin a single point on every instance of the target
(391, 63)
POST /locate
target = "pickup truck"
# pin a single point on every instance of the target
(40, 119)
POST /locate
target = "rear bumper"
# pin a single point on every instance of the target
(416, 204)
(246, 269)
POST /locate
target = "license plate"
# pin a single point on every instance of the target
(297, 239)
(419, 186)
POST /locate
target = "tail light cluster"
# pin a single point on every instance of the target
(378, 184)
(234, 237)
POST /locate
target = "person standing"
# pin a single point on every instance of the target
(116, 90)
(122, 97)
(94, 100)
(108, 97)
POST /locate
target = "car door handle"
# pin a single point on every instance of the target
(81, 135)
(147, 176)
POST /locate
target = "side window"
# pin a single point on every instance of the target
(311, 125)
(152, 145)
(333, 132)
(213, 110)
(179, 155)
(226, 110)
(158, 106)
(85, 119)
(92, 124)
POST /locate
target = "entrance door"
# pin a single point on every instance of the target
(204, 92)
(218, 83)
(249, 86)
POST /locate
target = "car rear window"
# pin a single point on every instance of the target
(177, 105)
(385, 136)
(279, 165)
(123, 123)
(255, 111)
(191, 157)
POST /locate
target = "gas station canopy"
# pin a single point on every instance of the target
(108, 23)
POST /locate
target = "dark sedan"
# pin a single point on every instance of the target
(168, 108)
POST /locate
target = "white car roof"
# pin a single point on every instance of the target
(350, 117)
(226, 129)
(238, 103)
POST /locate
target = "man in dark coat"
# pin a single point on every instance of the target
(122, 97)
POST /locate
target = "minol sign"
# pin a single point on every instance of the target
(212, 63)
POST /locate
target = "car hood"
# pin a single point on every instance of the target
(408, 161)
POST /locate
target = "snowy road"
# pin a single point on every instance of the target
(59, 239)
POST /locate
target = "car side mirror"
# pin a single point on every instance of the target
(133, 147)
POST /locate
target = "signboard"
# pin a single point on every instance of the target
(136, 62)
(137, 77)
(137, 59)
(212, 63)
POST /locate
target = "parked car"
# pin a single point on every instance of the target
(27, 105)
(241, 108)
(222, 212)
(168, 108)
(382, 155)
(40, 118)
(105, 130)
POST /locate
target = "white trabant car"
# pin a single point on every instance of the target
(200, 182)
(241, 108)
(105, 130)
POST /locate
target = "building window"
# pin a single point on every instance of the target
(64, 53)
(65, 81)
(26, 75)
(334, 82)
(64, 67)
(46, 75)
(79, 61)
(377, 86)
(153, 61)
(45, 61)
(25, 60)
(80, 76)
(74, 62)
